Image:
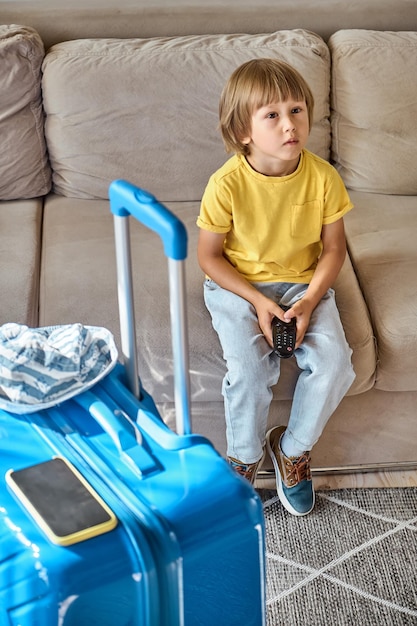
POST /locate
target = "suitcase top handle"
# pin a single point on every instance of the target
(126, 199)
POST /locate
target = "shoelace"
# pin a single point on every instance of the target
(298, 469)
(246, 473)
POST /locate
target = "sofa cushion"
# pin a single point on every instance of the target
(147, 109)
(24, 167)
(78, 266)
(20, 228)
(381, 234)
(374, 98)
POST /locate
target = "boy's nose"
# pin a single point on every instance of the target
(290, 125)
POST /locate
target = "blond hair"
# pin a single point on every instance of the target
(255, 84)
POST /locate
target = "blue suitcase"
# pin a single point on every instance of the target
(174, 537)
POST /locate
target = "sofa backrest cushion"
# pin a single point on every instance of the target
(374, 97)
(24, 167)
(147, 109)
(61, 21)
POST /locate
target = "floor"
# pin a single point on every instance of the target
(351, 562)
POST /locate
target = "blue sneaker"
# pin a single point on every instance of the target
(293, 475)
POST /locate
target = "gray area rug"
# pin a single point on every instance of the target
(351, 562)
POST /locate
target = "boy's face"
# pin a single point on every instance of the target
(278, 134)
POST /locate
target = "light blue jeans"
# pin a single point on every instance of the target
(253, 368)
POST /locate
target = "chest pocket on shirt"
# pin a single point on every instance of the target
(306, 220)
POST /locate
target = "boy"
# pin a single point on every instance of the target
(271, 234)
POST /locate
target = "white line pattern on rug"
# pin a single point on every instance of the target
(316, 573)
(347, 505)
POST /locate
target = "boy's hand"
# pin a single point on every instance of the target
(302, 311)
(266, 310)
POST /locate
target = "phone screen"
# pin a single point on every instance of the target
(62, 502)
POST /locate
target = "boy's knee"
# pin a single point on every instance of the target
(328, 358)
(340, 367)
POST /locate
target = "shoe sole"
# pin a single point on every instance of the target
(280, 491)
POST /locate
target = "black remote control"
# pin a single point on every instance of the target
(284, 336)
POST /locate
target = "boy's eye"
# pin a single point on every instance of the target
(273, 114)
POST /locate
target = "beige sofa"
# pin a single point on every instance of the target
(91, 110)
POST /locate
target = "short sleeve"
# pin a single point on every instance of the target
(337, 201)
(215, 209)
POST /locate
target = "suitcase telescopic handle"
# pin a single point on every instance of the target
(128, 200)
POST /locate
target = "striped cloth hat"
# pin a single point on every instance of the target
(40, 367)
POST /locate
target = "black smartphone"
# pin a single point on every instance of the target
(61, 501)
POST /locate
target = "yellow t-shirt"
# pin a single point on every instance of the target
(273, 224)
